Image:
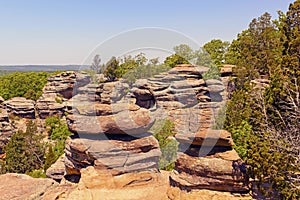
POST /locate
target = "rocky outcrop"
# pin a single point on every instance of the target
(21, 107)
(50, 104)
(59, 88)
(113, 153)
(207, 161)
(120, 154)
(6, 129)
(21, 186)
(134, 121)
(57, 170)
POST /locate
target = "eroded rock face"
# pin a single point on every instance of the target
(64, 83)
(21, 107)
(6, 129)
(222, 171)
(21, 186)
(58, 89)
(120, 154)
(135, 121)
(50, 104)
(208, 161)
(57, 170)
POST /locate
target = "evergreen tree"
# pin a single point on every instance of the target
(25, 151)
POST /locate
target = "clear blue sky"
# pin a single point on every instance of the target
(65, 31)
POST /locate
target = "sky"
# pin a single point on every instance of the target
(68, 31)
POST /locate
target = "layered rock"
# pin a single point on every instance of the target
(207, 161)
(21, 107)
(6, 128)
(57, 170)
(112, 151)
(58, 89)
(119, 153)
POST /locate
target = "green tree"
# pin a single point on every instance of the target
(23, 84)
(174, 60)
(25, 151)
(50, 157)
(217, 50)
(58, 133)
(96, 65)
(163, 132)
(111, 68)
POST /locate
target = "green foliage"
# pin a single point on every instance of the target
(25, 151)
(144, 71)
(265, 122)
(58, 132)
(217, 50)
(23, 84)
(163, 132)
(38, 173)
(111, 69)
(174, 60)
(50, 157)
(96, 66)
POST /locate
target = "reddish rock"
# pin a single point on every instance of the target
(207, 138)
(214, 172)
(124, 122)
(21, 186)
(121, 154)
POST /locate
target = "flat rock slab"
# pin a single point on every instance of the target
(207, 138)
(125, 122)
(20, 187)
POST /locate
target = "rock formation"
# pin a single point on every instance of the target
(21, 186)
(113, 155)
(58, 89)
(21, 107)
(206, 160)
(6, 128)
(112, 149)
(209, 163)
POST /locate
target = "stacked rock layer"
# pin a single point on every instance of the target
(112, 144)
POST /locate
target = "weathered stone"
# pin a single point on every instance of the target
(227, 70)
(102, 184)
(6, 129)
(21, 107)
(50, 104)
(120, 153)
(188, 69)
(125, 122)
(66, 83)
(207, 138)
(21, 186)
(57, 170)
(212, 172)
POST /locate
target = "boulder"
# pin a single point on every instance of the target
(215, 172)
(21, 186)
(6, 129)
(50, 104)
(120, 154)
(125, 122)
(21, 107)
(207, 138)
(66, 83)
(227, 70)
(57, 170)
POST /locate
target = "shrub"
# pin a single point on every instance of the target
(164, 132)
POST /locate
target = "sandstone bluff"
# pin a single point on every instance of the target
(114, 155)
